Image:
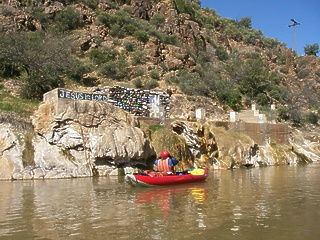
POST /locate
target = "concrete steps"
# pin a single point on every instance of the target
(252, 116)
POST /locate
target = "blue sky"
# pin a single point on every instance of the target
(272, 17)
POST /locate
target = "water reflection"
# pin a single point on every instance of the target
(167, 198)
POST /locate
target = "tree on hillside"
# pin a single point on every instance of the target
(245, 22)
(311, 49)
(254, 78)
(40, 60)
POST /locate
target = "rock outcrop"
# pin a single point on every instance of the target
(221, 149)
(77, 139)
(83, 138)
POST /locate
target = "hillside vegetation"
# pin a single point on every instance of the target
(171, 45)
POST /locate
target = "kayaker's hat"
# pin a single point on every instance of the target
(165, 154)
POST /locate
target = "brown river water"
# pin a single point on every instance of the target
(259, 203)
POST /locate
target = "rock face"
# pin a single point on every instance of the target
(79, 138)
(74, 139)
(220, 149)
(98, 133)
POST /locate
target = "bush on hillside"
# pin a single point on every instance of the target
(312, 118)
(222, 54)
(36, 85)
(158, 20)
(245, 22)
(191, 84)
(67, 19)
(185, 7)
(138, 57)
(283, 113)
(150, 84)
(142, 36)
(304, 73)
(271, 42)
(116, 70)
(311, 49)
(297, 117)
(227, 93)
(129, 46)
(254, 78)
(110, 62)
(154, 74)
(42, 60)
(138, 83)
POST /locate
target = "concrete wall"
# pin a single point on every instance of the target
(261, 133)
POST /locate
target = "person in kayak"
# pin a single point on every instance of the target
(166, 163)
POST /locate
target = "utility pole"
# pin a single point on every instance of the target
(294, 24)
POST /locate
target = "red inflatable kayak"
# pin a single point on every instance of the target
(140, 179)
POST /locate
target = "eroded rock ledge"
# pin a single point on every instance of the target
(77, 139)
(84, 138)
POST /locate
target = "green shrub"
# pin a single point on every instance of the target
(121, 24)
(42, 60)
(142, 36)
(312, 118)
(284, 70)
(311, 49)
(172, 80)
(222, 54)
(67, 19)
(139, 72)
(138, 57)
(245, 22)
(185, 7)
(129, 46)
(296, 117)
(137, 83)
(283, 113)
(254, 78)
(154, 74)
(93, 4)
(171, 39)
(116, 42)
(150, 84)
(262, 99)
(39, 14)
(191, 84)
(36, 85)
(228, 94)
(103, 55)
(8, 70)
(271, 42)
(115, 69)
(6, 10)
(303, 73)
(253, 55)
(158, 20)
(234, 32)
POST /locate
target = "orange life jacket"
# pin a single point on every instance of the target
(163, 166)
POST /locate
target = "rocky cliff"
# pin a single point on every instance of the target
(82, 138)
(76, 139)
